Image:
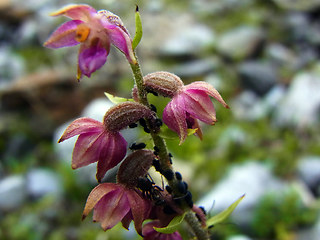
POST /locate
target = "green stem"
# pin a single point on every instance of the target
(164, 158)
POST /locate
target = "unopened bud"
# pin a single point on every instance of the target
(164, 83)
(134, 166)
(124, 114)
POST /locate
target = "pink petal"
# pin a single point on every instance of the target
(76, 11)
(122, 41)
(174, 116)
(64, 35)
(96, 194)
(91, 59)
(111, 209)
(87, 149)
(81, 125)
(199, 105)
(139, 209)
(208, 89)
(127, 220)
(113, 151)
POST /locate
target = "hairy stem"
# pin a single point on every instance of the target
(164, 158)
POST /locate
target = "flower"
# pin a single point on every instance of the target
(94, 31)
(189, 103)
(95, 143)
(103, 142)
(115, 202)
(150, 234)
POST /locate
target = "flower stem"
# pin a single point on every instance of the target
(164, 158)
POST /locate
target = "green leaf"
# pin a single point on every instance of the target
(167, 133)
(117, 100)
(137, 38)
(224, 214)
(172, 226)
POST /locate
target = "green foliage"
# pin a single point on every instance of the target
(172, 226)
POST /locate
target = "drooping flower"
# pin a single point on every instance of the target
(102, 142)
(114, 202)
(149, 233)
(121, 201)
(188, 104)
(94, 31)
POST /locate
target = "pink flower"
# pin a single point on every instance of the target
(94, 31)
(189, 103)
(150, 234)
(114, 202)
(95, 143)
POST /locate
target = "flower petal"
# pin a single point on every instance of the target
(111, 209)
(174, 116)
(64, 35)
(95, 196)
(113, 151)
(208, 89)
(139, 209)
(87, 149)
(199, 105)
(81, 125)
(76, 11)
(91, 58)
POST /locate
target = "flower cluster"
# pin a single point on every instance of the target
(135, 196)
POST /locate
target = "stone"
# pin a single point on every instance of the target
(43, 182)
(189, 40)
(309, 171)
(253, 179)
(238, 237)
(13, 192)
(196, 68)
(240, 42)
(301, 103)
(259, 77)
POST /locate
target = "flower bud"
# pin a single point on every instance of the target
(122, 115)
(164, 83)
(134, 166)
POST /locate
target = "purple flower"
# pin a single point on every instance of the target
(189, 103)
(95, 143)
(94, 31)
(150, 234)
(114, 202)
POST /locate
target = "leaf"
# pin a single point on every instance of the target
(167, 133)
(220, 217)
(172, 226)
(137, 38)
(117, 100)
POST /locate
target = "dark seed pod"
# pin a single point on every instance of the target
(169, 189)
(133, 125)
(164, 83)
(156, 164)
(153, 108)
(178, 176)
(188, 199)
(122, 115)
(168, 174)
(136, 146)
(182, 188)
(134, 166)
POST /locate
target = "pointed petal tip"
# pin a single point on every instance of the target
(83, 216)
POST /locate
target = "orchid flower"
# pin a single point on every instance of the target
(94, 31)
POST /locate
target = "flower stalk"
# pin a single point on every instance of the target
(159, 142)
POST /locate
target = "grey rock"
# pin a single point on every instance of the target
(233, 135)
(43, 182)
(309, 171)
(196, 68)
(300, 106)
(258, 76)
(239, 237)
(252, 179)
(240, 42)
(13, 192)
(188, 40)
(280, 54)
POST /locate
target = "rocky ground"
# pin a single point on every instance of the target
(263, 57)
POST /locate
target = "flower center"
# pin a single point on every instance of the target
(82, 33)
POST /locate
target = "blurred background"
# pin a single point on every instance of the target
(262, 56)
